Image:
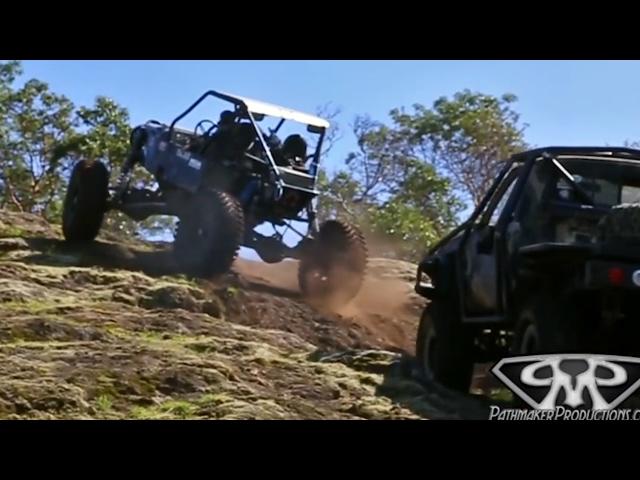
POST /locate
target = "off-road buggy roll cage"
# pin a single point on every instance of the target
(291, 185)
(527, 160)
(255, 111)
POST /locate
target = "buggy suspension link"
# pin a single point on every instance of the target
(138, 138)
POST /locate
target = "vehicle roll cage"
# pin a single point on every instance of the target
(528, 159)
(255, 110)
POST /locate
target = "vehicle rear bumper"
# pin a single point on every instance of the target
(600, 274)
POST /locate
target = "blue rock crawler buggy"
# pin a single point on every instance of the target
(223, 180)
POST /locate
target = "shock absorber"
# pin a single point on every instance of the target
(246, 195)
(138, 138)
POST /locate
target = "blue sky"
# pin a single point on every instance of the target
(564, 102)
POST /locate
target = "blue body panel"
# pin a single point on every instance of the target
(170, 162)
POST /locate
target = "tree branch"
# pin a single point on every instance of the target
(12, 196)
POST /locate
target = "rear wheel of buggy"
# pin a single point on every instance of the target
(85, 202)
(332, 268)
(209, 234)
(444, 348)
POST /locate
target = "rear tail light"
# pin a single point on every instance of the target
(616, 276)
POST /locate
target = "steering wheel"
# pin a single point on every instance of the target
(201, 125)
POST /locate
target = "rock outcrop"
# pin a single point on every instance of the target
(109, 331)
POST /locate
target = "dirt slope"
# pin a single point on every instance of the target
(109, 331)
(384, 314)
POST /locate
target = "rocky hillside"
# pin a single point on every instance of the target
(110, 332)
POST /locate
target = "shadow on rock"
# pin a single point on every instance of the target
(53, 252)
(264, 288)
(402, 384)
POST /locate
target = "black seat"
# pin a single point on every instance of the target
(294, 151)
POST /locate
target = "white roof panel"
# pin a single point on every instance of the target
(257, 106)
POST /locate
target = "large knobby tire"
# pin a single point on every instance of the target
(621, 225)
(444, 349)
(546, 323)
(332, 268)
(85, 202)
(209, 234)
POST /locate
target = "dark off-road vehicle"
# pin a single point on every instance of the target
(549, 262)
(222, 180)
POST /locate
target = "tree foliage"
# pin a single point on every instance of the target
(466, 137)
(35, 121)
(411, 177)
(43, 134)
(398, 199)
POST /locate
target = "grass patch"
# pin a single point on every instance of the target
(184, 409)
(214, 399)
(178, 408)
(104, 404)
(161, 337)
(178, 279)
(164, 338)
(117, 331)
(12, 231)
(232, 291)
(35, 307)
(500, 395)
(21, 342)
(151, 335)
(145, 413)
(171, 409)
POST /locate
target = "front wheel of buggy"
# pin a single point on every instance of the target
(332, 267)
(85, 202)
(444, 349)
(209, 234)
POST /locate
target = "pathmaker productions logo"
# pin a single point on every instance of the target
(569, 386)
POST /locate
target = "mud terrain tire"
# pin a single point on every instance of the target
(209, 234)
(546, 324)
(332, 268)
(621, 225)
(85, 202)
(444, 349)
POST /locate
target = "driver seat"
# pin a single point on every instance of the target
(294, 150)
(244, 136)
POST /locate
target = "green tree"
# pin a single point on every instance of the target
(466, 137)
(43, 135)
(35, 120)
(106, 129)
(421, 211)
(339, 196)
(398, 199)
(105, 134)
(9, 71)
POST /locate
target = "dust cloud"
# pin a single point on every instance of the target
(386, 304)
